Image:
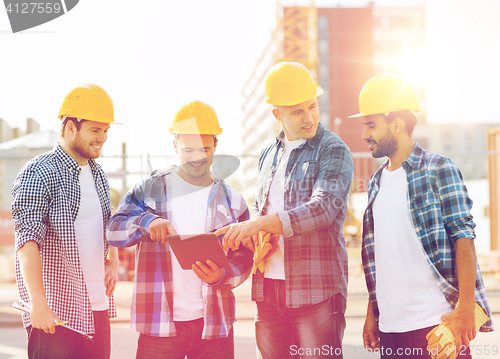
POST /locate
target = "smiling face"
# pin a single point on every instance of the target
(85, 143)
(195, 153)
(377, 132)
(299, 121)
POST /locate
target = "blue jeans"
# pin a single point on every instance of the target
(314, 331)
(411, 344)
(67, 344)
(188, 343)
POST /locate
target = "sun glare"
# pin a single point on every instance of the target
(414, 66)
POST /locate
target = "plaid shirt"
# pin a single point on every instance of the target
(46, 200)
(152, 302)
(317, 180)
(440, 211)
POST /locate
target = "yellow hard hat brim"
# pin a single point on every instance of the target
(174, 132)
(381, 113)
(357, 115)
(62, 118)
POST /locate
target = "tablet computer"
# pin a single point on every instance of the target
(191, 248)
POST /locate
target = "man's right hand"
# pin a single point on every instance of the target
(371, 336)
(159, 228)
(44, 318)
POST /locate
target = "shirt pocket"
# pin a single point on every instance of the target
(306, 178)
(62, 209)
(426, 210)
(224, 215)
(150, 205)
(424, 200)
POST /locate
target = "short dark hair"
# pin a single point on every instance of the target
(407, 116)
(78, 124)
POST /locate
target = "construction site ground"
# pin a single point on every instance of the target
(124, 340)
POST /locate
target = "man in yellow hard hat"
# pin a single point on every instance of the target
(64, 268)
(304, 179)
(418, 238)
(180, 312)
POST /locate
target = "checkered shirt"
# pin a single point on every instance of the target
(440, 210)
(46, 200)
(152, 301)
(317, 180)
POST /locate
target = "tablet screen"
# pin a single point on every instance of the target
(191, 248)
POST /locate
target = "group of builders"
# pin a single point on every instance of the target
(426, 293)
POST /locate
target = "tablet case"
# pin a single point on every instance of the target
(191, 248)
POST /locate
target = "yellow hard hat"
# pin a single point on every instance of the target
(196, 117)
(387, 93)
(290, 83)
(88, 102)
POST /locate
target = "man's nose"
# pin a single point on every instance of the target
(102, 137)
(308, 118)
(199, 156)
(365, 136)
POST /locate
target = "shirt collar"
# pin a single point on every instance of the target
(69, 161)
(416, 159)
(169, 169)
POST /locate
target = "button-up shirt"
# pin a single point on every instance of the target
(440, 211)
(317, 180)
(46, 202)
(152, 301)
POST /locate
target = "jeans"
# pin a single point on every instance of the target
(314, 331)
(411, 344)
(67, 344)
(188, 343)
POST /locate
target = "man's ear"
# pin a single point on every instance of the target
(70, 128)
(399, 125)
(277, 114)
(216, 141)
(175, 144)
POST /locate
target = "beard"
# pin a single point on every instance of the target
(81, 148)
(193, 173)
(386, 146)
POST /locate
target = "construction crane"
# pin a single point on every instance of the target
(297, 34)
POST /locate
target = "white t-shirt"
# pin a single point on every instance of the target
(407, 293)
(275, 265)
(189, 214)
(89, 238)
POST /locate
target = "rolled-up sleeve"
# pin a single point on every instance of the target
(30, 208)
(455, 202)
(129, 225)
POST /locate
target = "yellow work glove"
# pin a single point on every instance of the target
(267, 245)
(441, 342)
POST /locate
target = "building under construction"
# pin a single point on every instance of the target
(343, 48)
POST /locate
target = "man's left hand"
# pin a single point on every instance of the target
(462, 321)
(209, 273)
(111, 273)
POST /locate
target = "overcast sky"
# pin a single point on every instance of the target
(153, 56)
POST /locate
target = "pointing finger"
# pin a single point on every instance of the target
(222, 230)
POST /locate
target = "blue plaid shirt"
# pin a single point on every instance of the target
(317, 180)
(440, 210)
(152, 301)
